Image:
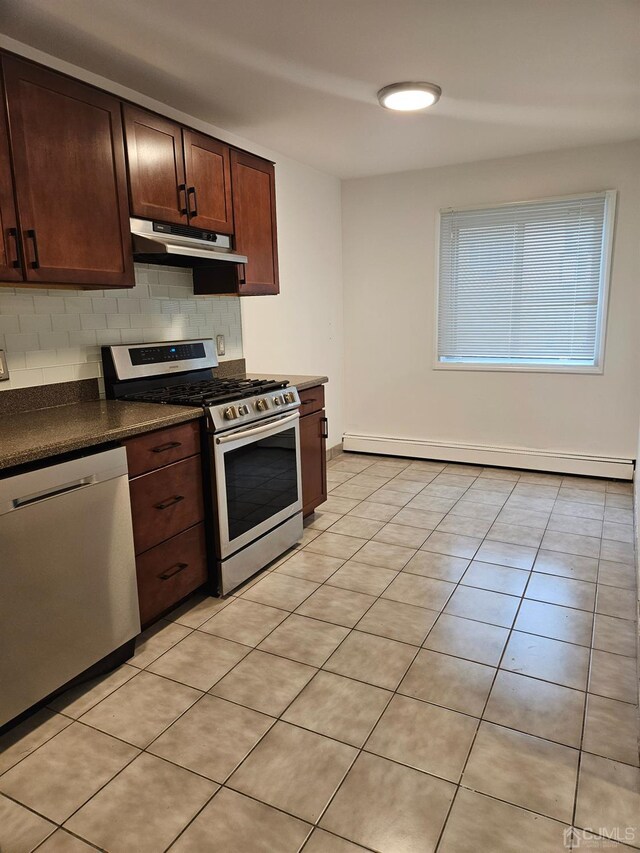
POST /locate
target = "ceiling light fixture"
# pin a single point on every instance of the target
(409, 97)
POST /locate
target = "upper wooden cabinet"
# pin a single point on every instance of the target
(254, 205)
(208, 182)
(254, 213)
(177, 175)
(156, 166)
(66, 193)
(70, 180)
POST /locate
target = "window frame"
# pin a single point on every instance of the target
(603, 293)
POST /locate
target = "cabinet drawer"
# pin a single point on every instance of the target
(311, 400)
(170, 571)
(165, 502)
(162, 447)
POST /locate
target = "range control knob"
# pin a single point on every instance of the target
(262, 405)
(243, 410)
(230, 413)
(277, 401)
(289, 397)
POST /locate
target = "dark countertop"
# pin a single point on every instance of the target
(41, 433)
(28, 436)
(301, 382)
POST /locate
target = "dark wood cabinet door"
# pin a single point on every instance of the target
(254, 210)
(208, 175)
(71, 190)
(170, 571)
(10, 266)
(313, 449)
(156, 166)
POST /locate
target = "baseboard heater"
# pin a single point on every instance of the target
(501, 457)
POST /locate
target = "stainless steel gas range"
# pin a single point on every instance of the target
(252, 453)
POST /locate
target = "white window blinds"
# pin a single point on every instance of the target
(525, 284)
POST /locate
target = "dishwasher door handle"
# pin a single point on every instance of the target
(36, 497)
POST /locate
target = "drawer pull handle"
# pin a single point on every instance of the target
(13, 233)
(170, 502)
(174, 570)
(170, 445)
(308, 400)
(182, 205)
(325, 425)
(191, 191)
(31, 235)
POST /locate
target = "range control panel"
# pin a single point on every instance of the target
(166, 353)
(231, 415)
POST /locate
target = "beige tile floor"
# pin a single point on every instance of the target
(447, 661)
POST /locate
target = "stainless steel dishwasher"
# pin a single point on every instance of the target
(68, 593)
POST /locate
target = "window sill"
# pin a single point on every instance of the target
(519, 368)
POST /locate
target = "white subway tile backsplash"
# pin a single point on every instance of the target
(80, 339)
(41, 358)
(65, 322)
(78, 304)
(118, 321)
(53, 340)
(93, 321)
(26, 378)
(35, 323)
(48, 304)
(14, 303)
(55, 336)
(21, 343)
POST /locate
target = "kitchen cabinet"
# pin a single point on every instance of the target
(254, 212)
(167, 507)
(175, 174)
(313, 448)
(70, 182)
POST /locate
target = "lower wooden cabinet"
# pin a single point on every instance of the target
(313, 448)
(167, 508)
(166, 501)
(170, 571)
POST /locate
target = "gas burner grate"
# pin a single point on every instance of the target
(207, 393)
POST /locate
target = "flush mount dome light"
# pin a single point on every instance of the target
(409, 97)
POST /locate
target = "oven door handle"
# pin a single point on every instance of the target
(259, 430)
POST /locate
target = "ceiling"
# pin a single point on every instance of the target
(300, 76)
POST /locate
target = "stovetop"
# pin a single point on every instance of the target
(209, 392)
(179, 373)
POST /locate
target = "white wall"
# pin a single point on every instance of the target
(391, 388)
(299, 331)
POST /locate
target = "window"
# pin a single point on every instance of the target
(525, 285)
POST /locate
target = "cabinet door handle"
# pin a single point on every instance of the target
(174, 570)
(325, 424)
(182, 200)
(13, 233)
(170, 445)
(192, 192)
(31, 235)
(169, 502)
(242, 273)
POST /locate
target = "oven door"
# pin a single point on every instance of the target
(258, 482)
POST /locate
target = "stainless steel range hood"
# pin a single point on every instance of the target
(180, 245)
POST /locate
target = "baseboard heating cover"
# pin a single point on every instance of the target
(494, 456)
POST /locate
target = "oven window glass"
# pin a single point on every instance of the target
(261, 480)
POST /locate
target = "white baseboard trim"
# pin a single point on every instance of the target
(502, 457)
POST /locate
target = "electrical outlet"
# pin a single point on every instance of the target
(4, 370)
(220, 344)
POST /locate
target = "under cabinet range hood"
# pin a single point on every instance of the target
(180, 245)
